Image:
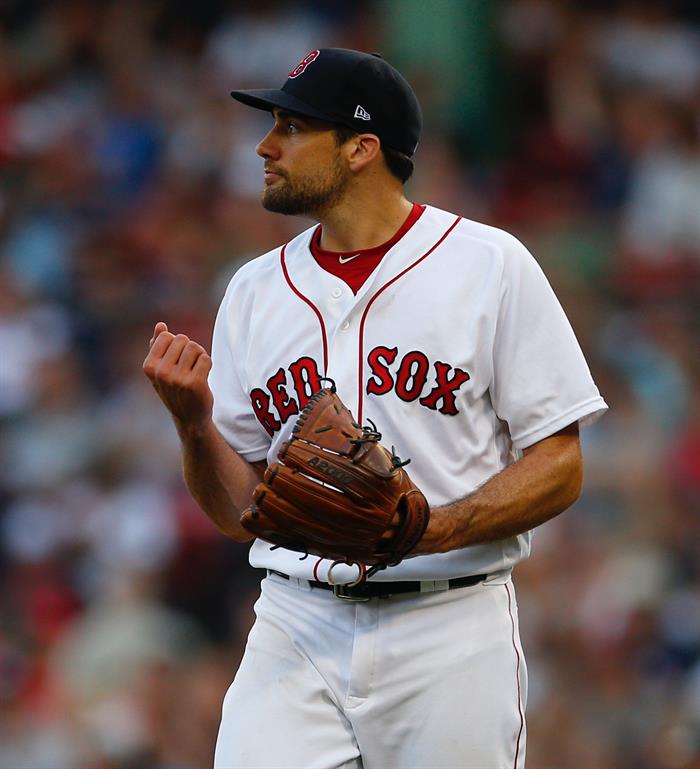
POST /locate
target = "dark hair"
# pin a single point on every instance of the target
(399, 165)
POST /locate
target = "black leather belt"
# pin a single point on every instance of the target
(368, 590)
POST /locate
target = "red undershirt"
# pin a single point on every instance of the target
(360, 264)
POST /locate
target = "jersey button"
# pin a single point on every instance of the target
(337, 292)
(345, 326)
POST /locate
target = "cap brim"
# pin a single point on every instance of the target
(269, 99)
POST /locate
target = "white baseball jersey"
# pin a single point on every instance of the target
(455, 346)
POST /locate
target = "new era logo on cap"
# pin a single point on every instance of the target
(362, 113)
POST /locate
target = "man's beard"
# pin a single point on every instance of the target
(308, 196)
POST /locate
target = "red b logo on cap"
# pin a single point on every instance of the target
(304, 63)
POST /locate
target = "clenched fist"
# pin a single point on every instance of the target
(178, 369)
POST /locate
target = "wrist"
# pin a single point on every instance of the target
(194, 430)
(438, 535)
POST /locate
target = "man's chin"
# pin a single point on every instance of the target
(279, 202)
(275, 206)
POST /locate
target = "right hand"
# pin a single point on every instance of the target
(178, 369)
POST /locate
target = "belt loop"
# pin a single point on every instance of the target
(298, 583)
(434, 585)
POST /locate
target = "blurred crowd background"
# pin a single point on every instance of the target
(129, 194)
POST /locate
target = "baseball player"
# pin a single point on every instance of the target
(445, 334)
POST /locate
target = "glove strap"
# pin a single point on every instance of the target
(361, 568)
(328, 379)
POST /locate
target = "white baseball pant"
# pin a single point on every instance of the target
(416, 681)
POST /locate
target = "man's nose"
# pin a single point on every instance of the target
(268, 148)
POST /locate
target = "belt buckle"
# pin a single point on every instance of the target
(340, 591)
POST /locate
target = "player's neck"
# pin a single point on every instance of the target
(363, 221)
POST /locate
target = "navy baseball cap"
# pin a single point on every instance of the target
(355, 89)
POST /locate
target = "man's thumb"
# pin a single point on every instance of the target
(159, 329)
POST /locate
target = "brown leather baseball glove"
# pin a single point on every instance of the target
(337, 493)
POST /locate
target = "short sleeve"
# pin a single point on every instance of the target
(233, 413)
(541, 381)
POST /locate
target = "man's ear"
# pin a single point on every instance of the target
(361, 150)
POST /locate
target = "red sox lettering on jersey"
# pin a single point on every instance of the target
(273, 404)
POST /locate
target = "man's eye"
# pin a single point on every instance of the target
(292, 128)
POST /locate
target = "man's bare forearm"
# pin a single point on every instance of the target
(527, 493)
(218, 478)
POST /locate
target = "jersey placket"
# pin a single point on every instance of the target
(344, 363)
(343, 313)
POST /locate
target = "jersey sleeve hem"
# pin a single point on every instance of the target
(584, 413)
(250, 455)
(253, 454)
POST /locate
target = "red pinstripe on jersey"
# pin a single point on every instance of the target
(371, 302)
(301, 296)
